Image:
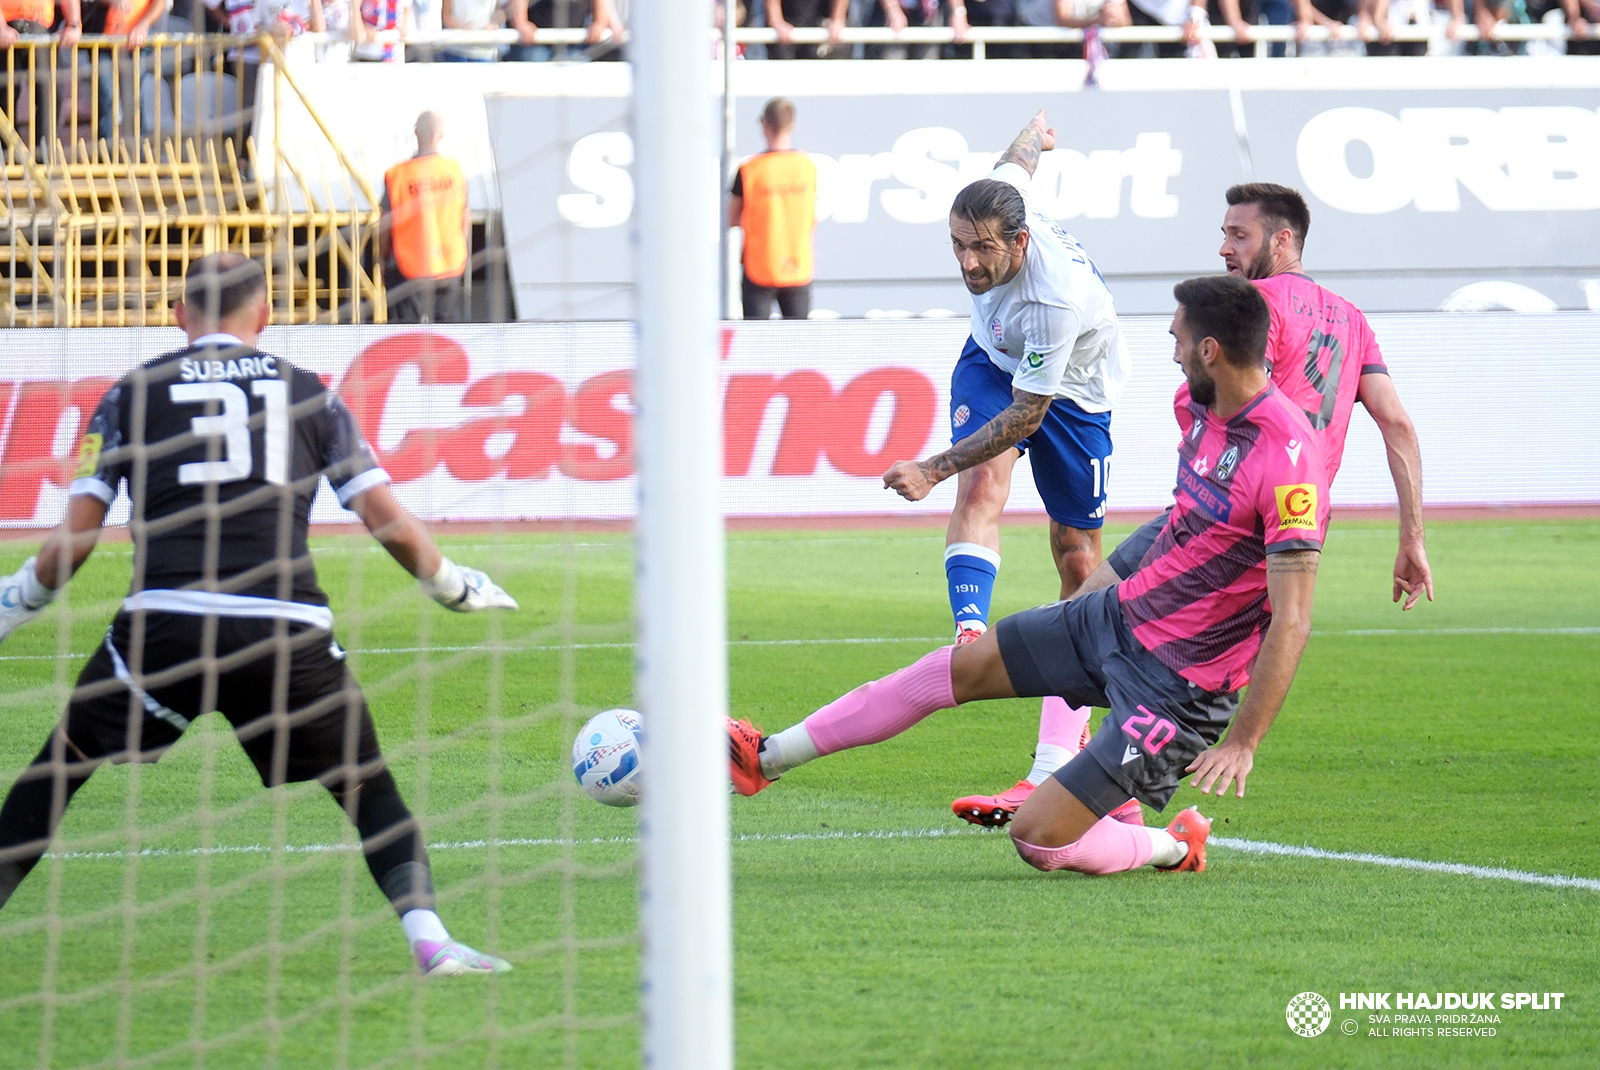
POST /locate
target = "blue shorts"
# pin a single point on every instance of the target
(1070, 453)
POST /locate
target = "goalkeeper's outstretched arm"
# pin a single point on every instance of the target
(463, 590)
(33, 586)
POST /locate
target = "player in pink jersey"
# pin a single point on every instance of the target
(1324, 358)
(1167, 649)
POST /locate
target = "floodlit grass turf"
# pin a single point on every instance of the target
(925, 952)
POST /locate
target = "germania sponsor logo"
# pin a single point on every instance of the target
(961, 416)
(1035, 360)
(1308, 1014)
(1297, 506)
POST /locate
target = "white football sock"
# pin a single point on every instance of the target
(789, 748)
(423, 925)
(1047, 758)
(1165, 848)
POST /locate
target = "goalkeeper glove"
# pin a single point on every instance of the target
(22, 596)
(465, 590)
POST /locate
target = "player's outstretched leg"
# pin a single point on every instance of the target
(391, 839)
(871, 713)
(1055, 829)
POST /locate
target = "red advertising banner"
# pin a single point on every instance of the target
(533, 421)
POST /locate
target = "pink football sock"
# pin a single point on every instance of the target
(884, 708)
(1108, 847)
(1060, 724)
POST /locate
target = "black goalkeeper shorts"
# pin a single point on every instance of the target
(283, 685)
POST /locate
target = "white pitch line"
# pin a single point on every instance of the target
(858, 641)
(1259, 847)
(1455, 868)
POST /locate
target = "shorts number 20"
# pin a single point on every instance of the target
(1161, 731)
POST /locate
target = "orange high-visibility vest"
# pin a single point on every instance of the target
(40, 11)
(119, 22)
(780, 211)
(427, 198)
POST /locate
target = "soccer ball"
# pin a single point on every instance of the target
(605, 757)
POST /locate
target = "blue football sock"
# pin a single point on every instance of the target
(970, 570)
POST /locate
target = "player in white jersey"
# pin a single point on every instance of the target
(1044, 366)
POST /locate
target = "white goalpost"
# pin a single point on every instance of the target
(682, 667)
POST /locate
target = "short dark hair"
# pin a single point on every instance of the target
(990, 201)
(1280, 206)
(220, 284)
(1231, 310)
(778, 115)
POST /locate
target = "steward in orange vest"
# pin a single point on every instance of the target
(423, 233)
(775, 202)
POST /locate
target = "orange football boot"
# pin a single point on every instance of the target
(992, 811)
(744, 758)
(1192, 828)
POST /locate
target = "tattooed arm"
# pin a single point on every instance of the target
(914, 479)
(1035, 138)
(1291, 582)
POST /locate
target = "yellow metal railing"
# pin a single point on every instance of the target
(120, 167)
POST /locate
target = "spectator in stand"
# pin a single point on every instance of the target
(1590, 9)
(1380, 18)
(1339, 18)
(368, 19)
(598, 15)
(471, 15)
(775, 202)
(1192, 18)
(119, 18)
(1571, 10)
(425, 231)
(34, 18)
(717, 13)
(784, 15)
(900, 14)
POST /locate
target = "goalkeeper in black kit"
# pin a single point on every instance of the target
(222, 448)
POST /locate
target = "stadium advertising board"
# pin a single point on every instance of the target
(1417, 194)
(534, 421)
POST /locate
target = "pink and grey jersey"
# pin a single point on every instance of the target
(1319, 347)
(1250, 486)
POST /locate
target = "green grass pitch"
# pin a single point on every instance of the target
(245, 933)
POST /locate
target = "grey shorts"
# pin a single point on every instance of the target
(1084, 651)
(1125, 558)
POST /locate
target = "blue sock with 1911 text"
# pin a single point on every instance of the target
(970, 571)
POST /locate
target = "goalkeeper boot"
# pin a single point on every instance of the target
(992, 811)
(452, 958)
(744, 758)
(1192, 828)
